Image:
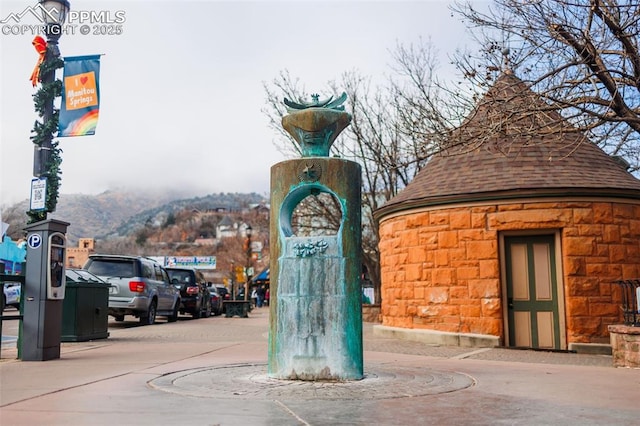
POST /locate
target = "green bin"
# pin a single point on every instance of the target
(85, 312)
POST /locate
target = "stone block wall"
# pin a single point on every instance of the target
(440, 267)
(625, 345)
(371, 313)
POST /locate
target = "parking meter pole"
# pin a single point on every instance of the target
(44, 291)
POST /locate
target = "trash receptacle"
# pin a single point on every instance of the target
(85, 313)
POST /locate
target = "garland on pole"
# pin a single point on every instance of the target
(43, 131)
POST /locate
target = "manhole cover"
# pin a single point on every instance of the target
(251, 381)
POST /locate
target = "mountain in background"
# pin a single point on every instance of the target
(119, 212)
(229, 202)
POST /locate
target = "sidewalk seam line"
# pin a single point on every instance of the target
(472, 353)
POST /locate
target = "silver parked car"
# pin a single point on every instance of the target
(139, 286)
(11, 295)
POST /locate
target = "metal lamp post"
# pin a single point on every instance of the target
(54, 13)
(248, 231)
(46, 253)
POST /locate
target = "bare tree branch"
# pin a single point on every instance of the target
(582, 57)
(395, 127)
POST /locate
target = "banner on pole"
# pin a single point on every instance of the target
(80, 96)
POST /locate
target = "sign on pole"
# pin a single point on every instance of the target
(38, 194)
(81, 96)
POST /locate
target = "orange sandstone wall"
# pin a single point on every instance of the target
(440, 268)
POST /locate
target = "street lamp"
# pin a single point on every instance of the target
(54, 14)
(43, 295)
(248, 231)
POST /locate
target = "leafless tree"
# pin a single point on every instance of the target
(581, 56)
(16, 218)
(381, 138)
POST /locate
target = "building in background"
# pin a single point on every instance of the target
(511, 241)
(77, 256)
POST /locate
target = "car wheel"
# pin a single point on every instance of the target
(119, 318)
(197, 313)
(207, 312)
(150, 317)
(174, 316)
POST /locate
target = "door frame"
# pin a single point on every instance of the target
(557, 241)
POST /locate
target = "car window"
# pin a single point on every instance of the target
(180, 276)
(165, 277)
(158, 272)
(111, 268)
(147, 270)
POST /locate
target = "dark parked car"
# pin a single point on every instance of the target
(194, 293)
(224, 294)
(139, 286)
(222, 291)
(216, 300)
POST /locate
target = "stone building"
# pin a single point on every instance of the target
(510, 238)
(77, 256)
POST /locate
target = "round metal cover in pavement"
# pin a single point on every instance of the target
(252, 381)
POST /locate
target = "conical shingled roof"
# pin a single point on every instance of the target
(505, 151)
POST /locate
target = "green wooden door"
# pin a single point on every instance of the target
(532, 292)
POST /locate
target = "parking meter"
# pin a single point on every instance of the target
(43, 291)
(55, 266)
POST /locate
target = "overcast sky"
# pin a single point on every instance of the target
(182, 86)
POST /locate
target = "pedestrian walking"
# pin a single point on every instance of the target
(260, 296)
(254, 297)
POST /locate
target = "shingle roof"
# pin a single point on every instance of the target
(504, 151)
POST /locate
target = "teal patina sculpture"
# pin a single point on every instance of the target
(316, 307)
(316, 125)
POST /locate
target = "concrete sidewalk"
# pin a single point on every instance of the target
(213, 372)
